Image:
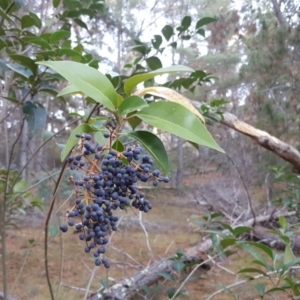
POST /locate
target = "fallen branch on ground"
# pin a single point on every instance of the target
(128, 287)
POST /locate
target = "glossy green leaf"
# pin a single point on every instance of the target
(73, 140)
(27, 21)
(80, 23)
(201, 31)
(186, 22)
(153, 63)
(133, 81)
(134, 122)
(20, 69)
(5, 16)
(178, 120)
(131, 104)
(39, 42)
(204, 21)
(167, 32)
(37, 20)
(69, 52)
(253, 252)
(154, 146)
(89, 80)
(264, 248)
(35, 115)
(156, 41)
(117, 145)
(59, 35)
(25, 61)
(69, 89)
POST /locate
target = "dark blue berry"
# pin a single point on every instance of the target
(63, 228)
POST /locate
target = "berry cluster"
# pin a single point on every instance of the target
(109, 183)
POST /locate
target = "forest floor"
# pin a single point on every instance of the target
(169, 226)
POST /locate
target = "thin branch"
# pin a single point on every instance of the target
(245, 188)
(190, 275)
(240, 283)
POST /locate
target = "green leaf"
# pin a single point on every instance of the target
(264, 248)
(20, 69)
(134, 122)
(283, 222)
(89, 80)
(131, 104)
(5, 16)
(99, 138)
(154, 146)
(80, 23)
(227, 242)
(174, 45)
(117, 145)
(59, 35)
(69, 89)
(186, 22)
(35, 115)
(20, 186)
(201, 31)
(253, 270)
(55, 3)
(288, 254)
(253, 252)
(69, 52)
(167, 32)
(240, 230)
(156, 41)
(37, 20)
(47, 135)
(39, 42)
(167, 276)
(25, 61)
(261, 288)
(27, 21)
(73, 140)
(205, 21)
(153, 63)
(2, 44)
(178, 266)
(133, 81)
(54, 230)
(178, 120)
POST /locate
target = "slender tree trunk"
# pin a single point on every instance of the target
(279, 14)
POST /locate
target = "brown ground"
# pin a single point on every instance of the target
(169, 227)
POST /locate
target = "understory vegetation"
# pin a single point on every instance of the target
(149, 150)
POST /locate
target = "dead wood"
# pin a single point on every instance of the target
(128, 287)
(264, 139)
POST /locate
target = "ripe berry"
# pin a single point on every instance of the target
(63, 228)
(106, 135)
